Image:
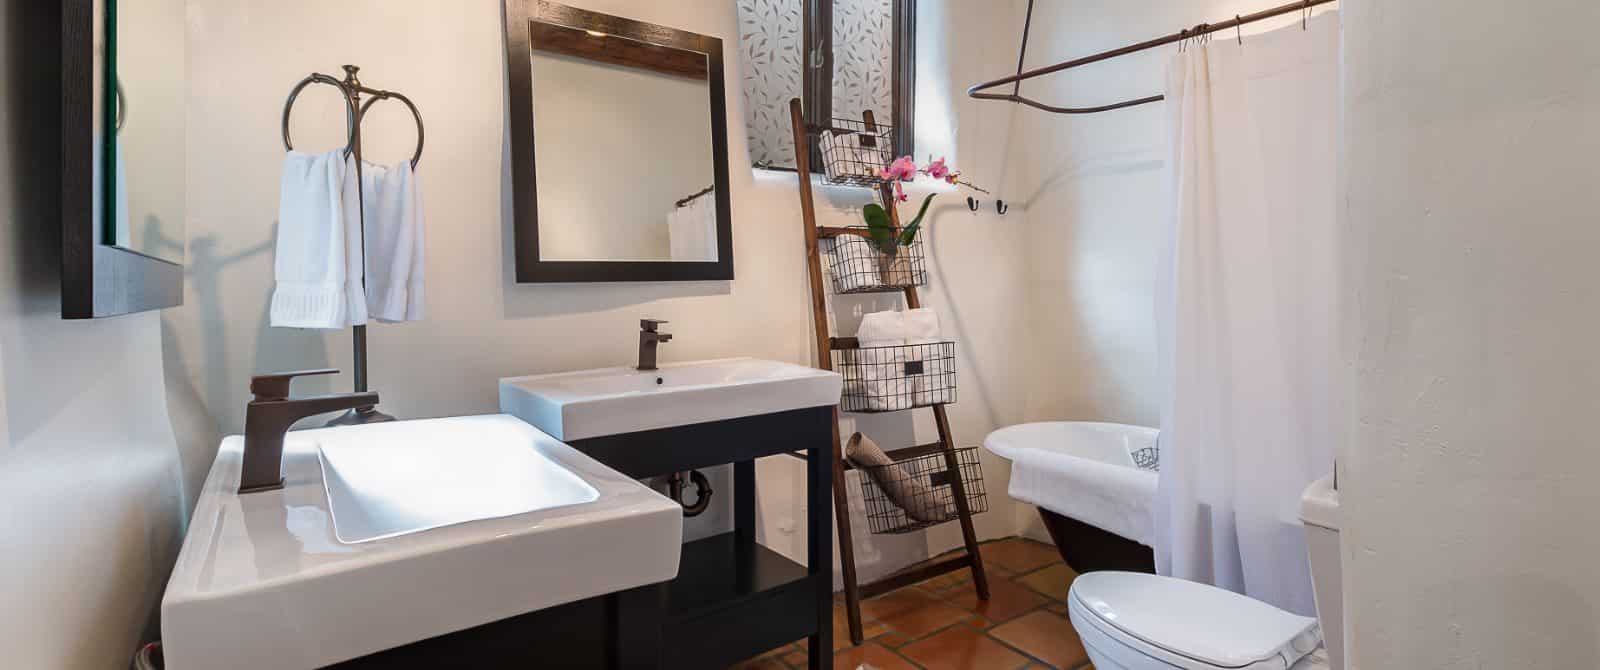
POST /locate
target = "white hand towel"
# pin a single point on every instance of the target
(882, 329)
(395, 241)
(318, 257)
(692, 229)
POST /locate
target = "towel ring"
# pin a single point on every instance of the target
(349, 108)
(383, 95)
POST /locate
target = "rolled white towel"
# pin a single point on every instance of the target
(855, 263)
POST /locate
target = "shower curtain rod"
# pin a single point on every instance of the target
(977, 91)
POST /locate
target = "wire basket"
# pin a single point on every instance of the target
(915, 493)
(858, 266)
(899, 377)
(1148, 458)
(853, 153)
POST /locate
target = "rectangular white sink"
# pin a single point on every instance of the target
(611, 401)
(438, 474)
(386, 534)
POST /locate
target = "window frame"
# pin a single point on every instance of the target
(817, 81)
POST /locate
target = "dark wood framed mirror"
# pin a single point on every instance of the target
(122, 189)
(619, 139)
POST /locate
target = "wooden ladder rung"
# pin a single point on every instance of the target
(914, 575)
(829, 232)
(895, 455)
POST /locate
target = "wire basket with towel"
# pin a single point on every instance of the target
(901, 363)
(853, 152)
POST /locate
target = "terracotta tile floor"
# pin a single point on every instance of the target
(940, 624)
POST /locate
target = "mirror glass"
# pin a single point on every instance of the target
(141, 207)
(623, 147)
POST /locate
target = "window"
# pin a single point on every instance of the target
(863, 61)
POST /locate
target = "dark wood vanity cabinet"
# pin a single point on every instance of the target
(734, 598)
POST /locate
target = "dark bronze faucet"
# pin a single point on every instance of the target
(270, 414)
(648, 339)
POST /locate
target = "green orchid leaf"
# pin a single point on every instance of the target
(909, 234)
(879, 227)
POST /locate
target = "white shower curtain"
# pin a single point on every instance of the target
(1246, 307)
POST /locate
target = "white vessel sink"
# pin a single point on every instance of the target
(386, 534)
(610, 401)
(385, 488)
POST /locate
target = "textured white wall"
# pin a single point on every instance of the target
(1470, 505)
(92, 493)
(449, 58)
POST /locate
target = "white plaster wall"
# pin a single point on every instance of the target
(1468, 493)
(449, 58)
(92, 491)
(1095, 190)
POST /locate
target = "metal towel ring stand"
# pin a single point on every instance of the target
(384, 95)
(353, 115)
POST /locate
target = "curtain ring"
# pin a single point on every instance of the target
(1238, 28)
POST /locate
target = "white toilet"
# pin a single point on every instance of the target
(1133, 621)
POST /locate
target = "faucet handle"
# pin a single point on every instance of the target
(276, 386)
(650, 325)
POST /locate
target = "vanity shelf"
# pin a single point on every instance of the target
(730, 587)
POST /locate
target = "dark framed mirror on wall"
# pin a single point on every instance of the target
(123, 95)
(619, 136)
(841, 57)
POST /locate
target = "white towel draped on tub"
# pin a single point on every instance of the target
(394, 232)
(318, 263)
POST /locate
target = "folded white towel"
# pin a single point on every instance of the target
(395, 241)
(936, 384)
(882, 329)
(318, 262)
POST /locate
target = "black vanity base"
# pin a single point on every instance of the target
(618, 630)
(733, 598)
(1086, 548)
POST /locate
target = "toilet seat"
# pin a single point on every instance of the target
(1147, 621)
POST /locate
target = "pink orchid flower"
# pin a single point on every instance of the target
(938, 169)
(900, 193)
(902, 169)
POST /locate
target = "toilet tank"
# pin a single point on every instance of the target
(1319, 510)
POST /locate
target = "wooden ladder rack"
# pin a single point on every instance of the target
(826, 344)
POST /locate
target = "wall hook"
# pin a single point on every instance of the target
(1001, 207)
(972, 204)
